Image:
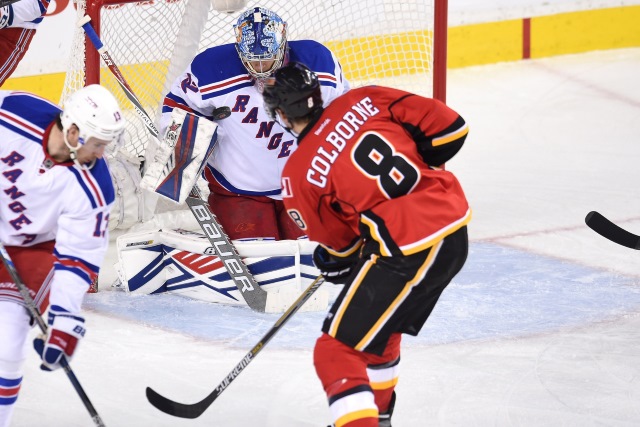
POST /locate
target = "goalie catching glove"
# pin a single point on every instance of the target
(334, 269)
(65, 330)
(178, 161)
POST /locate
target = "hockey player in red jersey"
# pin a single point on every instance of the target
(365, 184)
(18, 23)
(244, 170)
(55, 199)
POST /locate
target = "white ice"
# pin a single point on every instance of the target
(542, 327)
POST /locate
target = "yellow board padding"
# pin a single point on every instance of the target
(480, 44)
(585, 31)
(560, 34)
(48, 86)
(388, 56)
(146, 80)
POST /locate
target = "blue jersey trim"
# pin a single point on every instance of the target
(100, 172)
(227, 90)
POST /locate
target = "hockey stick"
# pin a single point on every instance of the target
(253, 294)
(194, 410)
(35, 313)
(609, 230)
(4, 3)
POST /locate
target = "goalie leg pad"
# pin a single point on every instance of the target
(181, 156)
(185, 263)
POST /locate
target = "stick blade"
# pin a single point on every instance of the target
(607, 229)
(176, 409)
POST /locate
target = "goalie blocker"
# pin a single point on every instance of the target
(184, 262)
(178, 161)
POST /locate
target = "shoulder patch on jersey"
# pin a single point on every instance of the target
(287, 190)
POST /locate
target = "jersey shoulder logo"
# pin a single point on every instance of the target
(188, 84)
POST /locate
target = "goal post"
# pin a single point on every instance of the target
(388, 42)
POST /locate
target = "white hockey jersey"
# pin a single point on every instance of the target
(41, 200)
(252, 149)
(23, 14)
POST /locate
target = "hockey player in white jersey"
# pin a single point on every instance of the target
(244, 170)
(18, 23)
(55, 198)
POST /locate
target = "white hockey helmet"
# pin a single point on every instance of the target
(96, 113)
(261, 35)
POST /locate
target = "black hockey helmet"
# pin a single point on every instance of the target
(294, 89)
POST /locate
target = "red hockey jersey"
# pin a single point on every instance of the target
(367, 169)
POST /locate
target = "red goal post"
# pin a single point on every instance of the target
(395, 43)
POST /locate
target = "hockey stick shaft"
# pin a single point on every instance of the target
(194, 410)
(607, 229)
(37, 316)
(4, 3)
(252, 293)
(85, 23)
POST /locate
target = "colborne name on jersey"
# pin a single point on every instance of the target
(342, 131)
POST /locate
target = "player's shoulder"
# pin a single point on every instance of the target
(378, 94)
(26, 114)
(311, 47)
(219, 70)
(95, 184)
(217, 63)
(300, 159)
(313, 54)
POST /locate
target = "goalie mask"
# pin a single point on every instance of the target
(261, 37)
(95, 112)
(293, 89)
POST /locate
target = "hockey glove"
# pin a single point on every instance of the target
(6, 16)
(65, 330)
(335, 270)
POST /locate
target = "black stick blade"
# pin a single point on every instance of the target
(609, 230)
(176, 409)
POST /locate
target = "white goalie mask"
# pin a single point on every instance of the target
(96, 113)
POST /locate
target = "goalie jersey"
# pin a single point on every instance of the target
(252, 149)
(41, 200)
(367, 169)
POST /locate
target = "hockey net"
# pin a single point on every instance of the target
(388, 42)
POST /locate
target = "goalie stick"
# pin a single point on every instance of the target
(194, 410)
(253, 294)
(607, 229)
(35, 314)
